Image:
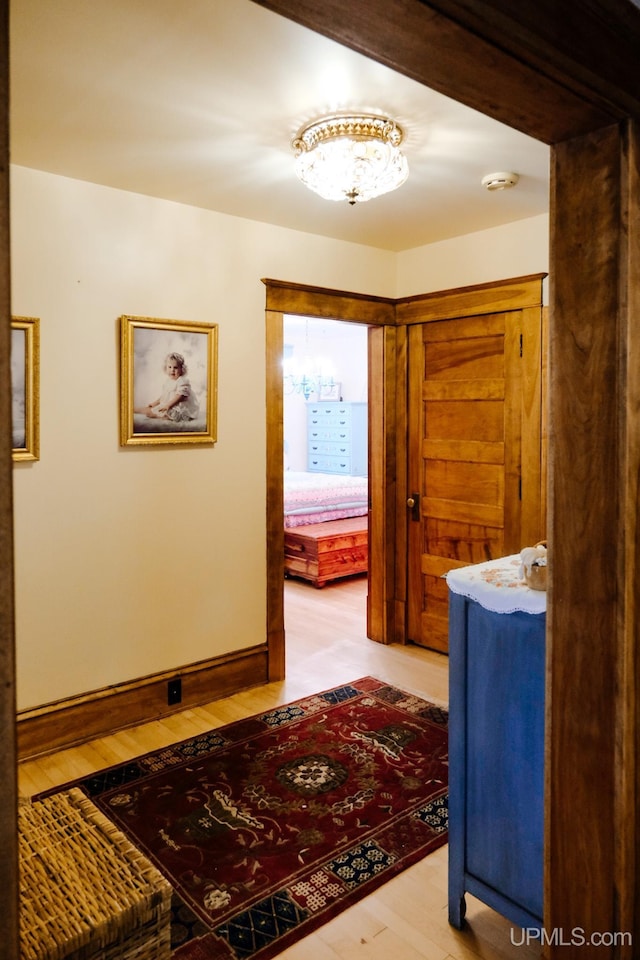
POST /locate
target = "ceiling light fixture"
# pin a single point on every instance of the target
(500, 181)
(352, 158)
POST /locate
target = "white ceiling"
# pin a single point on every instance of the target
(197, 101)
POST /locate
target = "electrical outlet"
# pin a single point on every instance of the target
(174, 691)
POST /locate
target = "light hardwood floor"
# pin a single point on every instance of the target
(406, 919)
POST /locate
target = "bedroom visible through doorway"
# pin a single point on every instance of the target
(325, 449)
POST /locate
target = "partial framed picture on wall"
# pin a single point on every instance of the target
(330, 391)
(25, 388)
(168, 381)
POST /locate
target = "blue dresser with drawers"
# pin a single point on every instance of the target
(496, 741)
(337, 437)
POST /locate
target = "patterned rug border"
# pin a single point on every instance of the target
(205, 944)
(207, 741)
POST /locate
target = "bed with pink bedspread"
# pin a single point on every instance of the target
(318, 497)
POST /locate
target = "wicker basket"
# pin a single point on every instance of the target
(86, 893)
(536, 576)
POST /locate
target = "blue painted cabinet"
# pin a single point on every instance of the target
(337, 438)
(496, 754)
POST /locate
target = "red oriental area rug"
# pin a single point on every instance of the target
(270, 826)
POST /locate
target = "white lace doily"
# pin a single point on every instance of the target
(497, 586)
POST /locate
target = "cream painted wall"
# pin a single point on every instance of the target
(137, 560)
(514, 250)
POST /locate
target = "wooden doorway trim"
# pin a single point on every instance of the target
(594, 461)
(567, 77)
(8, 772)
(553, 72)
(377, 313)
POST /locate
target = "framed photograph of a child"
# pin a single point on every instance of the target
(25, 387)
(168, 381)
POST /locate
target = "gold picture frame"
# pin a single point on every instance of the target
(168, 381)
(25, 388)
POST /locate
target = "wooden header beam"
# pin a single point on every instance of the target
(553, 71)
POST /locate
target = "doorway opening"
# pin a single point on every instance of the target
(376, 319)
(325, 470)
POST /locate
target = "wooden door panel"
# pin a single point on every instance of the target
(478, 514)
(465, 420)
(471, 397)
(465, 358)
(434, 620)
(471, 450)
(464, 389)
(481, 327)
(434, 566)
(463, 543)
(464, 481)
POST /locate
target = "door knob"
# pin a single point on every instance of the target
(413, 504)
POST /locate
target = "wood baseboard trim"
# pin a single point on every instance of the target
(67, 723)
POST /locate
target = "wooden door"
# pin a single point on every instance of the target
(474, 453)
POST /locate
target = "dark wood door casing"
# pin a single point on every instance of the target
(565, 74)
(554, 71)
(594, 457)
(8, 753)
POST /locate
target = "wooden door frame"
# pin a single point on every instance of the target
(565, 74)
(378, 314)
(8, 753)
(388, 321)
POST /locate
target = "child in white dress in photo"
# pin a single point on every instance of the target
(177, 401)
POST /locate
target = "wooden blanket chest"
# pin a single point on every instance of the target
(326, 551)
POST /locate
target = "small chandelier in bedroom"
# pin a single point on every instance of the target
(352, 157)
(313, 378)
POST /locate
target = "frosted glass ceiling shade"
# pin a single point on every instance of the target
(352, 158)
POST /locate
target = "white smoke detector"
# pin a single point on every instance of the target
(500, 181)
